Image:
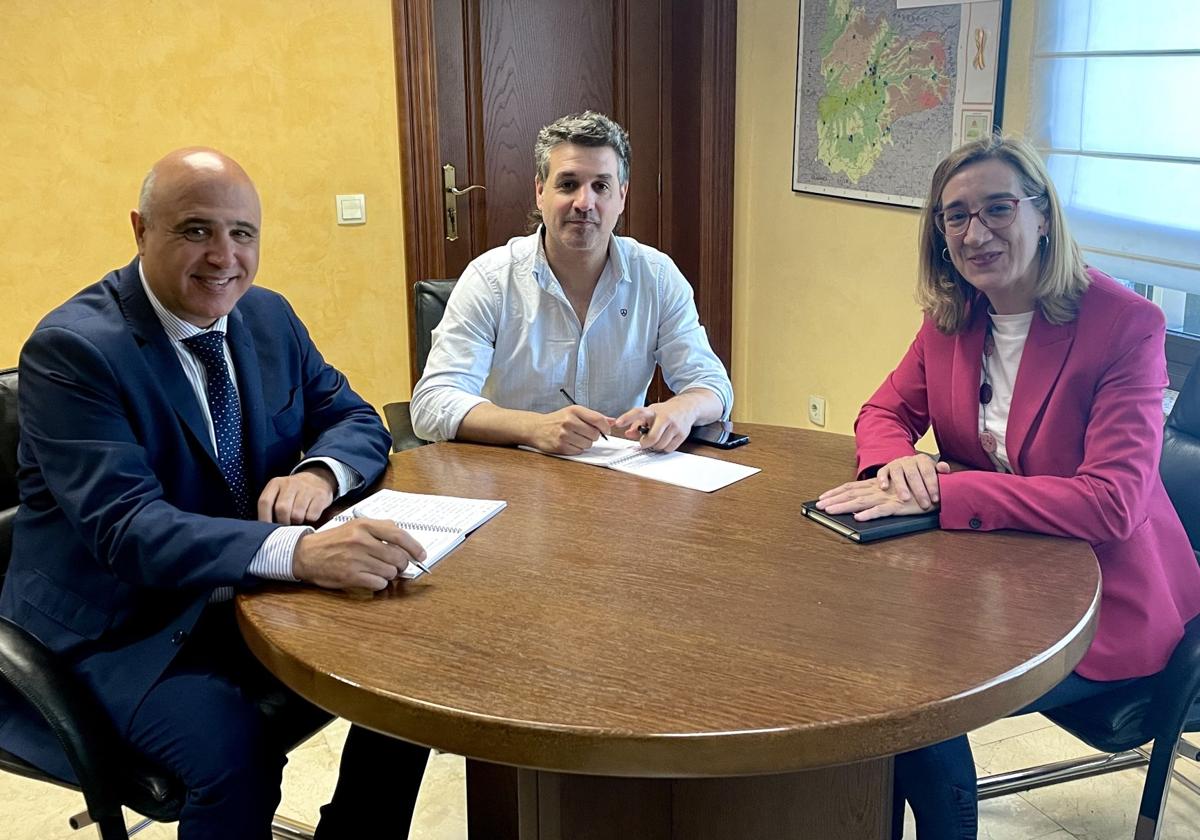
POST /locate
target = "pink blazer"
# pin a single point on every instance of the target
(1084, 436)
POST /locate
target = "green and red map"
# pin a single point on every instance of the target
(875, 105)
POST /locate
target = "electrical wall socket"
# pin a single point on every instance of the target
(816, 410)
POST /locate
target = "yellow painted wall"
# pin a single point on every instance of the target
(302, 93)
(823, 287)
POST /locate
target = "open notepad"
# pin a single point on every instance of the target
(679, 468)
(438, 523)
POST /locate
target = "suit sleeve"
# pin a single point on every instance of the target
(896, 416)
(99, 476)
(1106, 498)
(338, 423)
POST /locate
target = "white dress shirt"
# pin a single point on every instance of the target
(511, 337)
(273, 560)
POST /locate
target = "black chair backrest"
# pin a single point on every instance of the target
(8, 438)
(9, 432)
(1180, 466)
(430, 297)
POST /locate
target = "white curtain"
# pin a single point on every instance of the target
(1116, 113)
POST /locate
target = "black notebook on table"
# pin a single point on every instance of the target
(873, 529)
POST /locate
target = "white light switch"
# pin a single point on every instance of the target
(352, 209)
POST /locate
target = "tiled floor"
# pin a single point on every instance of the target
(1097, 809)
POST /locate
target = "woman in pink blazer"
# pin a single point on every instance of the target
(1044, 378)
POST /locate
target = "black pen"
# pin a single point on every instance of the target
(571, 400)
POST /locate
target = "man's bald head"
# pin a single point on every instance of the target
(197, 229)
(190, 162)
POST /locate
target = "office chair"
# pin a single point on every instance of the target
(1160, 707)
(106, 772)
(430, 297)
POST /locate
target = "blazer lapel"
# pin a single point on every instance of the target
(250, 390)
(160, 356)
(1042, 361)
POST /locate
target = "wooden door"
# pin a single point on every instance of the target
(477, 79)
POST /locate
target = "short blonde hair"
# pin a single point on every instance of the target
(945, 295)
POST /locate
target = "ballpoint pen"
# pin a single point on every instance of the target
(358, 514)
(571, 400)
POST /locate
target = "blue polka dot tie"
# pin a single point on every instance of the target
(226, 411)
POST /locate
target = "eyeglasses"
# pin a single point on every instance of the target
(997, 214)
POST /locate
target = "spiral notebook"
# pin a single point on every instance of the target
(679, 468)
(438, 523)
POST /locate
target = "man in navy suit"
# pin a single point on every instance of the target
(179, 432)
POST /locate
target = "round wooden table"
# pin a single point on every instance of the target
(604, 625)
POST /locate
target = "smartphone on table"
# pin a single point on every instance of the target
(720, 434)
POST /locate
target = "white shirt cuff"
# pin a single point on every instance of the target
(273, 560)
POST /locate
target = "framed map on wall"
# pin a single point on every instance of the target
(884, 93)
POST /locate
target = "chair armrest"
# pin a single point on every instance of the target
(1178, 685)
(7, 517)
(399, 422)
(64, 702)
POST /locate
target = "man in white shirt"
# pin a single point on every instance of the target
(552, 339)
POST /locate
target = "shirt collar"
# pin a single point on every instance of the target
(616, 260)
(175, 327)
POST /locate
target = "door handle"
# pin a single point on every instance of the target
(451, 194)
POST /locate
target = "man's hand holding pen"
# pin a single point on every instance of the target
(362, 554)
(663, 426)
(660, 426)
(569, 430)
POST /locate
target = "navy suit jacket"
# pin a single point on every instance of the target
(126, 525)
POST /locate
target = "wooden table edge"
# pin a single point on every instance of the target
(614, 753)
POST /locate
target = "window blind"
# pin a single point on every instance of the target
(1117, 116)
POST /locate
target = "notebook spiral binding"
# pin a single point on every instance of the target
(633, 456)
(420, 526)
(407, 526)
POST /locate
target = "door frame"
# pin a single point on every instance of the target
(706, 69)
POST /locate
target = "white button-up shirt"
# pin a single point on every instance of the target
(511, 337)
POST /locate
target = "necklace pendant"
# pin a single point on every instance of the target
(985, 393)
(988, 441)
